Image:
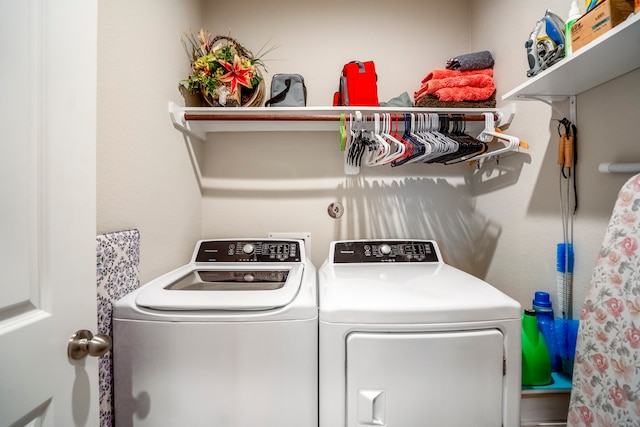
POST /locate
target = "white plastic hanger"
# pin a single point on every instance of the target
(512, 144)
(397, 147)
(422, 132)
(383, 148)
(349, 167)
(489, 133)
(419, 137)
(489, 126)
(444, 144)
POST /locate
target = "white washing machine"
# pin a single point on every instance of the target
(229, 340)
(407, 340)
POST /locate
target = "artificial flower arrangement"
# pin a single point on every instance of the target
(223, 72)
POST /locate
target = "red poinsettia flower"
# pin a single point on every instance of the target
(237, 74)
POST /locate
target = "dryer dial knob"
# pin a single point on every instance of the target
(249, 277)
(248, 248)
(385, 249)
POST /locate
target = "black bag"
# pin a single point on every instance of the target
(287, 90)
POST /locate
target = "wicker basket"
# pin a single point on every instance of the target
(248, 97)
(253, 97)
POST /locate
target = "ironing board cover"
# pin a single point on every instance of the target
(606, 375)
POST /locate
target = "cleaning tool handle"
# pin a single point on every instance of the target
(561, 149)
(564, 258)
(568, 152)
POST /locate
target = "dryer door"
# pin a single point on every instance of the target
(425, 378)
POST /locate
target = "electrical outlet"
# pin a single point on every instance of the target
(306, 236)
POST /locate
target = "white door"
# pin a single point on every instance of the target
(47, 210)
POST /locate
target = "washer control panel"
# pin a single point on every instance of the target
(248, 251)
(384, 251)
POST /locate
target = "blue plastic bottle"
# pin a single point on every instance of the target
(546, 325)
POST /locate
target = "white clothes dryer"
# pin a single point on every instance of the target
(230, 339)
(407, 340)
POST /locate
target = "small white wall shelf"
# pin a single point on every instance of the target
(611, 55)
(608, 57)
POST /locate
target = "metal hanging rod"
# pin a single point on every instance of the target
(313, 118)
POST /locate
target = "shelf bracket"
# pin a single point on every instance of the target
(572, 109)
(506, 115)
(552, 102)
(179, 122)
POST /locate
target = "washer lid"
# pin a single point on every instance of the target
(408, 293)
(225, 287)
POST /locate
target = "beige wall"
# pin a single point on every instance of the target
(501, 222)
(285, 181)
(145, 180)
(527, 211)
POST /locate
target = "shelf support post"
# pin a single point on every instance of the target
(177, 118)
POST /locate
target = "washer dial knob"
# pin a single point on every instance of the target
(385, 249)
(248, 248)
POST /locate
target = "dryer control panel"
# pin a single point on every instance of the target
(384, 251)
(248, 251)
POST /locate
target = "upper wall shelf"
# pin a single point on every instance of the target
(611, 55)
(198, 122)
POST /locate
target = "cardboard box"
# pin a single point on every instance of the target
(637, 7)
(606, 15)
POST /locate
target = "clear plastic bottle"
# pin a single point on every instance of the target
(546, 325)
(574, 15)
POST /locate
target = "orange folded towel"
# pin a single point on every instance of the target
(454, 85)
(441, 74)
(473, 80)
(457, 94)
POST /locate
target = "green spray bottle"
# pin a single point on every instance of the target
(574, 15)
(536, 365)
